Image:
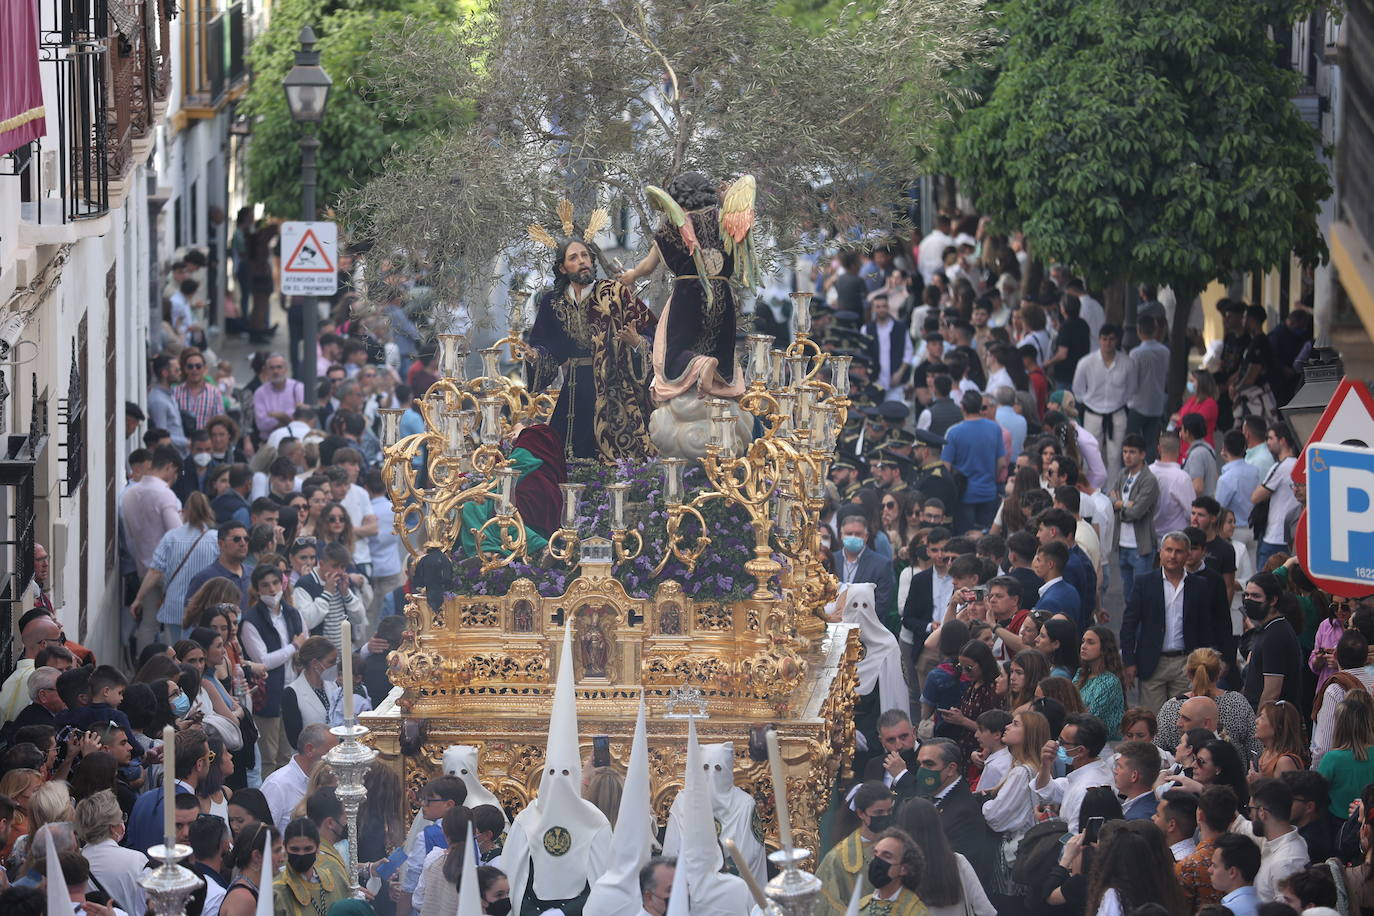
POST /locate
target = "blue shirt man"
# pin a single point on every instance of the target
(1238, 478)
(974, 448)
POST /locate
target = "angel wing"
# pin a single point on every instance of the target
(662, 200)
(736, 229)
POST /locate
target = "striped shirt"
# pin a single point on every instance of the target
(203, 405)
(170, 553)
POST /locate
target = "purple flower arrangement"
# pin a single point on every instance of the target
(719, 574)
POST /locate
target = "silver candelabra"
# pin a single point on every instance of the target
(350, 759)
(169, 886)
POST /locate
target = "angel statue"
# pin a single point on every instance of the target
(599, 333)
(708, 245)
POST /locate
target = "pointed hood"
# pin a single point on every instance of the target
(713, 893)
(616, 892)
(264, 907)
(678, 905)
(881, 665)
(561, 838)
(562, 756)
(461, 760)
(719, 760)
(469, 897)
(58, 899)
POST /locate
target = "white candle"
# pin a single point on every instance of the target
(743, 867)
(347, 653)
(779, 790)
(169, 790)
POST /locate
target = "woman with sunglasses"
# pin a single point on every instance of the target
(1322, 659)
(895, 524)
(316, 498)
(977, 664)
(336, 527)
(292, 515)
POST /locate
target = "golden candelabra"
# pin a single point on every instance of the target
(458, 458)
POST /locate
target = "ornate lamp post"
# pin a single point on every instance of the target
(307, 93)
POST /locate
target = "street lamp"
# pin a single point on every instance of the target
(1321, 376)
(307, 93)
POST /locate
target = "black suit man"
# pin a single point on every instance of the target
(927, 594)
(1168, 615)
(940, 779)
(888, 362)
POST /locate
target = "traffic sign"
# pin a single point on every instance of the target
(310, 259)
(1336, 545)
(1348, 418)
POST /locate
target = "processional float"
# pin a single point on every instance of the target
(628, 572)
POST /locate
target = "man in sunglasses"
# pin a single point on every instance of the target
(233, 550)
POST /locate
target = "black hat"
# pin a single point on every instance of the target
(847, 318)
(902, 437)
(1230, 305)
(871, 411)
(888, 456)
(1258, 313)
(845, 460)
(820, 310)
(860, 359)
(894, 411)
(926, 437)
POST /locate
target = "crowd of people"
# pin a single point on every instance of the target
(1201, 744)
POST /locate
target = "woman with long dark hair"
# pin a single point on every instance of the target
(1012, 517)
(872, 502)
(1060, 643)
(949, 886)
(1028, 669)
(1218, 763)
(1132, 867)
(977, 663)
(1102, 678)
(437, 892)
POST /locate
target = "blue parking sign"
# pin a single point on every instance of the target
(1340, 512)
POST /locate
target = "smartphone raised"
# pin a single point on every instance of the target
(601, 751)
(1091, 832)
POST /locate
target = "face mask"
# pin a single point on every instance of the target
(331, 674)
(499, 907)
(1063, 757)
(181, 705)
(1255, 610)
(272, 600)
(879, 822)
(853, 544)
(202, 459)
(879, 873)
(1192, 387)
(927, 781)
(300, 862)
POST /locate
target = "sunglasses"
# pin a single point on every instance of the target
(195, 365)
(336, 518)
(305, 542)
(237, 538)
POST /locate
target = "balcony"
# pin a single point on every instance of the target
(213, 64)
(111, 68)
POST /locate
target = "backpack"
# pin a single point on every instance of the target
(1038, 851)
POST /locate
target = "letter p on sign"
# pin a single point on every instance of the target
(1340, 507)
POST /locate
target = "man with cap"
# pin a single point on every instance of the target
(1250, 391)
(846, 473)
(821, 318)
(932, 477)
(892, 415)
(888, 471)
(559, 844)
(1234, 343)
(861, 387)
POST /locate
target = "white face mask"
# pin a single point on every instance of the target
(202, 459)
(331, 674)
(272, 600)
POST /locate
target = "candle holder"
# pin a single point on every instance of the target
(350, 760)
(391, 424)
(801, 314)
(672, 480)
(795, 892)
(619, 529)
(564, 541)
(169, 886)
(453, 351)
(491, 366)
(839, 375)
(760, 365)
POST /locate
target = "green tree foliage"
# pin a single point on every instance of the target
(1153, 140)
(360, 129)
(596, 100)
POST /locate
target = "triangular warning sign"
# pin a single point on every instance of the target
(1349, 417)
(309, 257)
